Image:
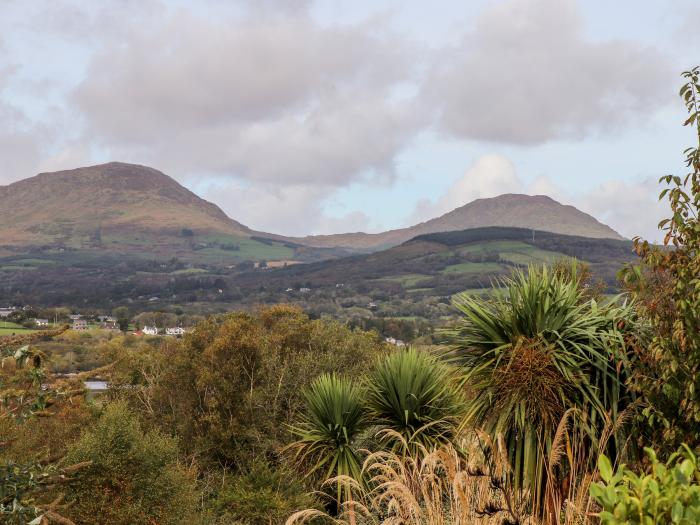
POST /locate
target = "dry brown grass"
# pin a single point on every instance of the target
(468, 483)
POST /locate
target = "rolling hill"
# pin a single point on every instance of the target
(537, 212)
(119, 208)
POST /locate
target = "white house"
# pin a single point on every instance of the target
(150, 330)
(6, 312)
(41, 322)
(176, 331)
(80, 324)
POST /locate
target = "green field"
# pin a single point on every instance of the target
(8, 328)
(406, 280)
(474, 267)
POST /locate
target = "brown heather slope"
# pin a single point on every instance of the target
(81, 206)
(537, 212)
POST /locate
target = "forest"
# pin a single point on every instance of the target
(545, 401)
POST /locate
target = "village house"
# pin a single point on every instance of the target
(41, 322)
(80, 324)
(394, 341)
(110, 323)
(150, 330)
(6, 312)
(176, 331)
(75, 317)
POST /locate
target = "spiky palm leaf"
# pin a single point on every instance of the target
(530, 353)
(334, 417)
(414, 394)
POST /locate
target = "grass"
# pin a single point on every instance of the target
(406, 280)
(474, 267)
(8, 328)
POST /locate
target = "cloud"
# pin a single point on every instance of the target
(290, 210)
(489, 176)
(631, 207)
(527, 74)
(260, 98)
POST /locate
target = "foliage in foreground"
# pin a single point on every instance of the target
(327, 432)
(536, 350)
(667, 287)
(414, 394)
(668, 493)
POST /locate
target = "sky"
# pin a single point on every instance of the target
(301, 117)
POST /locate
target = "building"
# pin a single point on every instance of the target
(176, 331)
(150, 330)
(80, 324)
(110, 324)
(393, 341)
(75, 317)
(372, 305)
(6, 312)
(304, 290)
(41, 322)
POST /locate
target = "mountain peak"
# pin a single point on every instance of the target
(116, 198)
(536, 212)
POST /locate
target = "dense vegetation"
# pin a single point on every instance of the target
(547, 402)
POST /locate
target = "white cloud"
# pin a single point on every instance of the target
(489, 176)
(528, 74)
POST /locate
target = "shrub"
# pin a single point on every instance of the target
(133, 477)
(263, 495)
(668, 493)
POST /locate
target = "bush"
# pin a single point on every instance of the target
(133, 477)
(265, 494)
(669, 493)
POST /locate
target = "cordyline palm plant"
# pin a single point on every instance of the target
(333, 419)
(414, 395)
(531, 353)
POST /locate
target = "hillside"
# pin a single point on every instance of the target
(443, 263)
(537, 212)
(128, 209)
(81, 205)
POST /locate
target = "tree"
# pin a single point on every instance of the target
(532, 353)
(667, 288)
(326, 435)
(122, 315)
(414, 395)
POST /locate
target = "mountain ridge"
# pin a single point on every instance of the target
(131, 203)
(507, 210)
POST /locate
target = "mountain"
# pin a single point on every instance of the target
(537, 212)
(131, 209)
(77, 207)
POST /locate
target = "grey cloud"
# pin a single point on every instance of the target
(527, 74)
(272, 99)
(295, 209)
